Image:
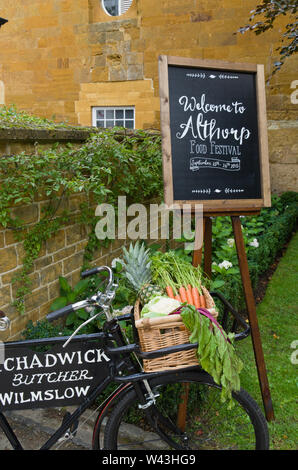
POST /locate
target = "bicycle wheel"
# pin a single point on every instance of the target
(208, 423)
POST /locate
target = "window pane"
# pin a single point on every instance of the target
(129, 114)
(100, 114)
(129, 124)
(100, 123)
(110, 123)
(116, 7)
(119, 113)
(112, 7)
(120, 123)
(109, 114)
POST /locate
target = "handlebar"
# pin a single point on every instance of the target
(96, 270)
(60, 313)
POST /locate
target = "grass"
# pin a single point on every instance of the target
(276, 317)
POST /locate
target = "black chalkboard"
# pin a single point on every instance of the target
(214, 134)
(58, 377)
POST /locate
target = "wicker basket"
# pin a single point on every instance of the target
(162, 332)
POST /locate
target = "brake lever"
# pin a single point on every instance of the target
(101, 300)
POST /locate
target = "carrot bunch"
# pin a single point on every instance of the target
(188, 293)
(180, 279)
(191, 295)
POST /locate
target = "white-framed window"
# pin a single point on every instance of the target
(116, 7)
(113, 116)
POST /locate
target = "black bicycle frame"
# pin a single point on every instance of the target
(121, 360)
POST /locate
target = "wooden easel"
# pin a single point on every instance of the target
(248, 293)
(174, 71)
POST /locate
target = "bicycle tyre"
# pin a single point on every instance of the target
(206, 435)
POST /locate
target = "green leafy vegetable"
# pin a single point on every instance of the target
(215, 352)
(159, 306)
(171, 269)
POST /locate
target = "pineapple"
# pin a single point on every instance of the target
(138, 273)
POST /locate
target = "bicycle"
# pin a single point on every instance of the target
(149, 401)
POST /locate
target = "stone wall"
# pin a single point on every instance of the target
(61, 255)
(283, 155)
(137, 93)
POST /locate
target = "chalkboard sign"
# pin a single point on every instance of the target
(213, 120)
(58, 377)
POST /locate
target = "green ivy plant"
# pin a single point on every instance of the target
(111, 163)
(69, 295)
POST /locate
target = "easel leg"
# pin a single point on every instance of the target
(207, 241)
(252, 315)
(208, 247)
(196, 261)
(197, 253)
(181, 420)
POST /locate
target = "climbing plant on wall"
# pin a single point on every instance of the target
(109, 164)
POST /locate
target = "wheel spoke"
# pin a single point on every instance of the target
(209, 424)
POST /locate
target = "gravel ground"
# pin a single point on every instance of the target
(34, 427)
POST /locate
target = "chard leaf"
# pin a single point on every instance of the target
(227, 367)
(216, 353)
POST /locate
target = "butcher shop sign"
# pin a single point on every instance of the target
(58, 377)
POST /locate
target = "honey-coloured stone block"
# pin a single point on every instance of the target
(8, 259)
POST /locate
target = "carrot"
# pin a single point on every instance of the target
(177, 297)
(169, 291)
(196, 297)
(182, 292)
(202, 301)
(189, 295)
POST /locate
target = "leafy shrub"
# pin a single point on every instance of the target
(289, 197)
(265, 236)
(273, 240)
(69, 295)
(110, 164)
(11, 117)
(44, 329)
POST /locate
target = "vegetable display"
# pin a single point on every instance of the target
(137, 271)
(160, 306)
(178, 277)
(168, 284)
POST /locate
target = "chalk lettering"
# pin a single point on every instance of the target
(208, 130)
(192, 104)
